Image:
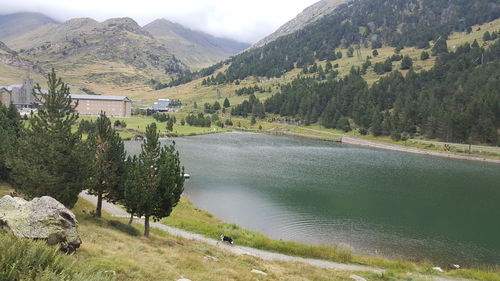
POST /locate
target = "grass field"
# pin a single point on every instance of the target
(112, 247)
(137, 125)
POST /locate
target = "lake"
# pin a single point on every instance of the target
(373, 201)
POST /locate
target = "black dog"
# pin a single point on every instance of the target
(227, 239)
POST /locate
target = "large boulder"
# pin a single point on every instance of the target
(41, 218)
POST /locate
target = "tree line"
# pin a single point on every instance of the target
(457, 100)
(47, 158)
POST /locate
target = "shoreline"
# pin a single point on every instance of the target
(350, 140)
(380, 145)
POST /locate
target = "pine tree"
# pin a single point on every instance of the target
(439, 47)
(226, 103)
(108, 163)
(170, 125)
(51, 159)
(10, 127)
(406, 62)
(155, 180)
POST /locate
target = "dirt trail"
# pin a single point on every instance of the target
(380, 145)
(238, 250)
(116, 211)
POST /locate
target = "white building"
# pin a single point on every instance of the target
(161, 105)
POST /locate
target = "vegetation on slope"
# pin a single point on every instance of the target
(457, 100)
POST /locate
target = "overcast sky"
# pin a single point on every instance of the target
(244, 20)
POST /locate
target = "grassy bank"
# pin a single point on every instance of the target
(136, 126)
(189, 217)
(111, 248)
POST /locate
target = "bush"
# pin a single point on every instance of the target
(23, 259)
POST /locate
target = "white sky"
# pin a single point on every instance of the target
(244, 20)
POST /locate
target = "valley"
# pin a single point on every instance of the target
(364, 133)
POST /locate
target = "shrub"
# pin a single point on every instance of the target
(23, 259)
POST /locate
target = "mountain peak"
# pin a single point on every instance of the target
(306, 17)
(127, 24)
(12, 25)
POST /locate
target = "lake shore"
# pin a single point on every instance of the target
(381, 145)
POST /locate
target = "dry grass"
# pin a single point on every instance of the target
(165, 257)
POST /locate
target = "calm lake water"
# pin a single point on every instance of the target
(375, 201)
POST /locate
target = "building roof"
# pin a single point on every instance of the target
(10, 87)
(99, 97)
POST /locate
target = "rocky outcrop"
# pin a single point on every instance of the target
(41, 218)
(310, 15)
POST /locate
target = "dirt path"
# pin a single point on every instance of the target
(238, 250)
(380, 145)
(241, 250)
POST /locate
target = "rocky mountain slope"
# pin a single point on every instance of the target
(104, 57)
(195, 48)
(108, 57)
(19, 23)
(310, 15)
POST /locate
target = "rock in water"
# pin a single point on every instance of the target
(41, 218)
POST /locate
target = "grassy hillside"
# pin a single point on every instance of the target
(114, 56)
(194, 91)
(112, 250)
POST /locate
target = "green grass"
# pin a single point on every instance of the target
(190, 218)
(4, 189)
(137, 126)
(476, 150)
(111, 248)
(23, 259)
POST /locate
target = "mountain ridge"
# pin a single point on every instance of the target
(196, 47)
(308, 16)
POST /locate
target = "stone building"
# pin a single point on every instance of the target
(113, 106)
(5, 95)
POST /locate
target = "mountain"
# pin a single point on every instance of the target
(195, 48)
(19, 23)
(362, 24)
(310, 15)
(111, 55)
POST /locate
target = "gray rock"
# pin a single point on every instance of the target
(41, 218)
(357, 278)
(259, 272)
(310, 15)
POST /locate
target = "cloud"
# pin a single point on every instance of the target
(247, 21)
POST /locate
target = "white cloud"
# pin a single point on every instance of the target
(248, 20)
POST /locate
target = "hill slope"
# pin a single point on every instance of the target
(111, 56)
(195, 48)
(310, 15)
(19, 23)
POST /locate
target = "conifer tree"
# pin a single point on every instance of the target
(170, 125)
(108, 163)
(226, 103)
(155, 180)
(10, 127)
(51, 159)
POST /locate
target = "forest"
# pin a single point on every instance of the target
(457, 100)
(362, 23)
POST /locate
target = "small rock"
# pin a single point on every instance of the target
(357, 278)
(183, 279)
(112, 272)
(258, 272)
(455, 266)
(437, 268)
(211, 258)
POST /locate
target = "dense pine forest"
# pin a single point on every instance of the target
(457, 100)
(359, 24)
